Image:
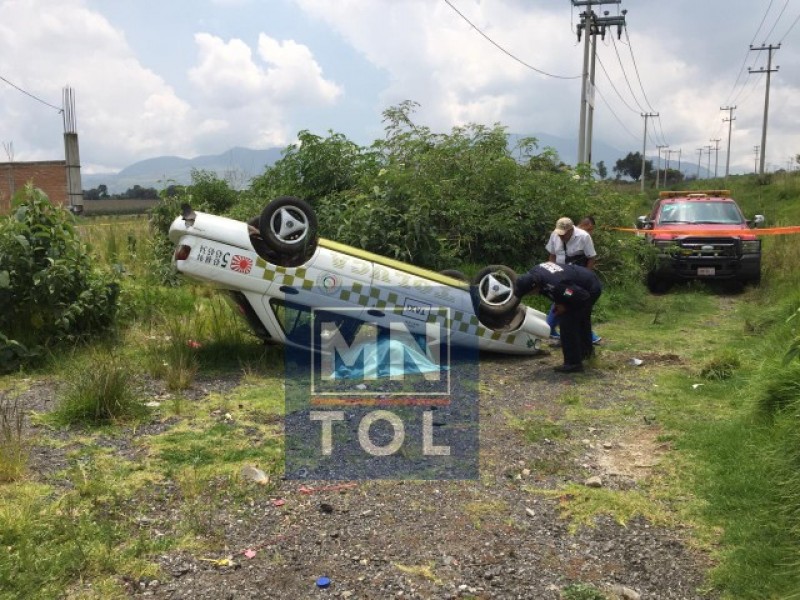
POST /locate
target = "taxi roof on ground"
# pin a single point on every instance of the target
(695, 194)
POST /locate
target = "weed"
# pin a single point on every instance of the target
(425, 571)
(582, 591)
(13, 446)
(780, 387)
(537, 428)
(102, 391)
(721, 366)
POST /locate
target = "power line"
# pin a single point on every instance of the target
(797, 18)
(602, 66)
(636, 69)
(499, 47)
(625, 75)
(780, 14)
(16, 87)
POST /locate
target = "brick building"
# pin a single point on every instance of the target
(48, 175)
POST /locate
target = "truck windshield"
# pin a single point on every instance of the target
(711, 212)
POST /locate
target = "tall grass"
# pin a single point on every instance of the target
(100, 391)
(13, 445)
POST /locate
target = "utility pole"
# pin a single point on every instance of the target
(768, 70)
(755, 161)
(658, 164)
(708, 168)
(716, 154)
(644, 144)
(699, 155)
(669, 155)
(591, 25)
(729, 119)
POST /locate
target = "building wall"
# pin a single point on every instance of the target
(48, 175)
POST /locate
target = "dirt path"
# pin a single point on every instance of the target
(543, 436)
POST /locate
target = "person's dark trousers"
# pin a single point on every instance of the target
(572, 325)
(585, 326)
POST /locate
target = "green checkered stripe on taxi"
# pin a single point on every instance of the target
(372, 296)
(469, 323)
(286, 276)
(381, 298)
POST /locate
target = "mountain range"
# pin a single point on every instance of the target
(239, 165)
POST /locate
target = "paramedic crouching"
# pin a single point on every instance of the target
(573, 290)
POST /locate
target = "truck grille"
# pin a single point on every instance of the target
(709, 247)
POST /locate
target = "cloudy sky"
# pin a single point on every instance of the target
(193, 77)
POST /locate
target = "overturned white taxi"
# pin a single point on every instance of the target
(281, 274)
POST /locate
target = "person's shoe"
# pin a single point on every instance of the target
(596, 339)
(568, 368)
(555, 336)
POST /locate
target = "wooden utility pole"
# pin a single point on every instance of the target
(768, 71)
(729, 119)
(716, 154)
(658, 164)
(644, 145)
(699, 155)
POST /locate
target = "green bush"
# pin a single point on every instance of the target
(102, 391)
(49, 290)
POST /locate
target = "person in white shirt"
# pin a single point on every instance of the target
(573, 246)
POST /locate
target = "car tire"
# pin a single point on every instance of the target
(288, 226)
(657, 285)
(493, 292)
(455, 274)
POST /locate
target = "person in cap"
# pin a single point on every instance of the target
(569, 244)
(574, 291)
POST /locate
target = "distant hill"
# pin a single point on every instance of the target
(237, 166)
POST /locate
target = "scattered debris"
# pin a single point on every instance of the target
(249, 553)
(278, 502)
(338, 487)
(637, 362)
(594, 482)
(254, 474)
(323, 583)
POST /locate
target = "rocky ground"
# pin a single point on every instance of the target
(502, 535)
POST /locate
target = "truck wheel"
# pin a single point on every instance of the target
(288, 226)
(493, 291)
(656, 285)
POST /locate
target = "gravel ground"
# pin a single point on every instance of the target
(488, 538)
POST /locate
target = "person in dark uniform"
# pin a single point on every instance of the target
(573, 290)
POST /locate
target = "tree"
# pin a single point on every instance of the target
(602, 170)
(631, 166)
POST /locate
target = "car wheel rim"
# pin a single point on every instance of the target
(496, 289)
(289, 225)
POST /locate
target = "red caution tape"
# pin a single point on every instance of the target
(713, 232)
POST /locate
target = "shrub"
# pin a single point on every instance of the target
(49, 290)
(721, 366)
(101, 392)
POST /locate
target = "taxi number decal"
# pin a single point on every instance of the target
(213, 256)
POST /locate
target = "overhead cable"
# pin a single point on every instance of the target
(499, 47)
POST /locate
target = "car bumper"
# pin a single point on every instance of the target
(746, 268)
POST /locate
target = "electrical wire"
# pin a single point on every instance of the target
(611, 110)
(780, 14)
(16, 87)
(625, 75)
(602, 66)
(499, 47)
(790, 29)
(636, 69)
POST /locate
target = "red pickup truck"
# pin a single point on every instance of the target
(684, 226)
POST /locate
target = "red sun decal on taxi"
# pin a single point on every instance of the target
(241, 264)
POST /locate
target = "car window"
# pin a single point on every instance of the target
(713, 213)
